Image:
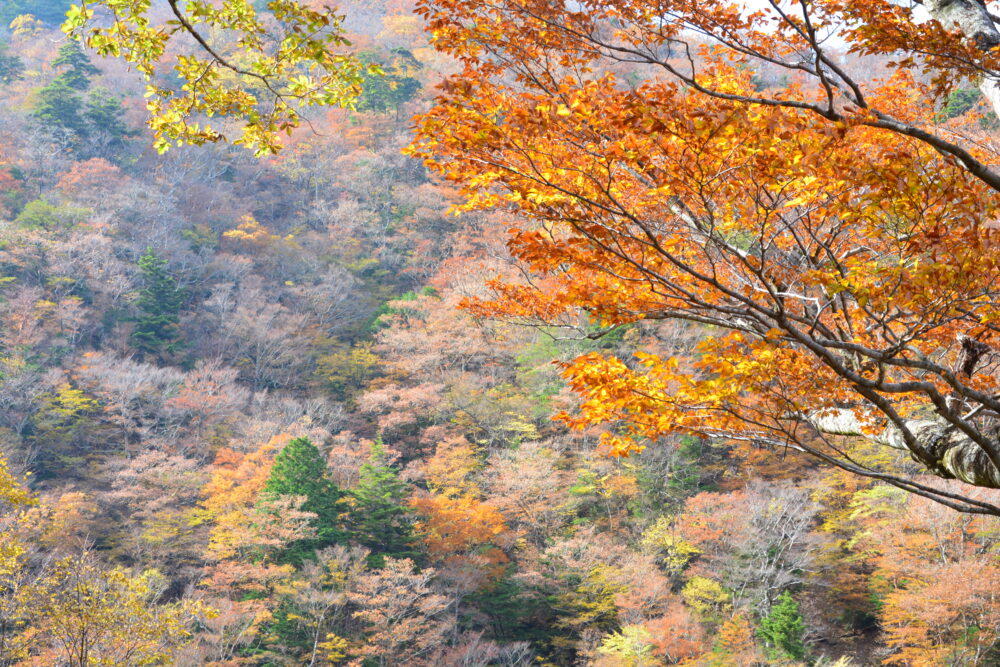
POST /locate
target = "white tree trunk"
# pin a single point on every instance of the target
(973, 18)
(990, 87)
(939, 446)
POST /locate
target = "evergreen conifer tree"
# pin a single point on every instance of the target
(11, 67)
(783, 628)
(103, 113)
(95, 125)
(60, 105)
(156, 329)
(75, 65)
(380, 519)
(300, 470)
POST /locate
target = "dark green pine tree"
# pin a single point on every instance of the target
(95, 125)
(156, 327)
(75, 67)
(103, 115)
(783, 628)
(11, 67)
(380, 518)
(300, 470)
(59, 105)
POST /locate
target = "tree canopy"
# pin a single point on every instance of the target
(231, 63)
(294, 410)
(663, 180)
(837, 238)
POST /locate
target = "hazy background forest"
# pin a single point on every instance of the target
(245, 422)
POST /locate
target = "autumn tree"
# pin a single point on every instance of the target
(757, 540)
(191, 479)
(851, 296)
(404, 619)
(62, 424)
(248, 536)
(243, 530)
(266, 338)
(15, 501)
(317, 607)
(73, 611)
(262, 78)
(89, 616)
(89, 181)
(462, 534)
(152, 498)
(929, 580)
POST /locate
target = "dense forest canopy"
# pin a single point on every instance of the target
(499, 333)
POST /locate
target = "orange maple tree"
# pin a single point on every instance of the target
(834, 238)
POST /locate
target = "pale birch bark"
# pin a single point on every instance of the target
(973, 18)
(937, 445)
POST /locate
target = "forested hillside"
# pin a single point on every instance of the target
(502, 348)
